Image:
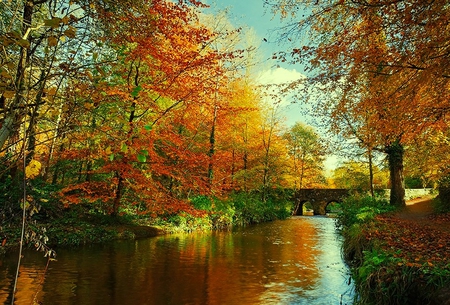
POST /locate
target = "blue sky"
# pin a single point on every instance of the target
(252, 13)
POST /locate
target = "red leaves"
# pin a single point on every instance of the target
(420, 241)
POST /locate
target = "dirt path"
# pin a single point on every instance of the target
(421, 212)
(420, 234)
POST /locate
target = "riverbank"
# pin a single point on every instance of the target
(401, 257)
(69, 232)
(55, 227)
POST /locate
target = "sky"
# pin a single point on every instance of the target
(252, 13)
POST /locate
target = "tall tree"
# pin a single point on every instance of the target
(393, 50)
(307, 152)
(153, 104)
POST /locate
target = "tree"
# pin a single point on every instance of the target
(307, 153)
(389, 54)
(354, 175)
(154, 145)
(426, 158)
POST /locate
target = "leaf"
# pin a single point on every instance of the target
(124, 148)
(54, 22)
(52, 41)
(136, 91)
(9, 94)
(148, 127)
(70, 32)
(101, 71)
(5, 74)
(65, 20)
(33, 169)
(111, 157)
(141, 158)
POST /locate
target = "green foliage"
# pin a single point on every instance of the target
(442, 202)
(202, 203)
(382, 277)
(441, 206)
(357, 210)
(413, 182)
(249, 208)
(237, 210)
(354, 220)
(184, 223)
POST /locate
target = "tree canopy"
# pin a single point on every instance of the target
(135, 105)
(380, 68)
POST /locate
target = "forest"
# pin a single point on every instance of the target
(150, 109)
(139, 110)
(122, 119)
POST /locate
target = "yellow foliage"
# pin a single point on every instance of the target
(33, 169)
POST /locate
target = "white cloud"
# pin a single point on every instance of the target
(279, 76)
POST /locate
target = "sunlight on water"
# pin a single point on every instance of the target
(296, 261)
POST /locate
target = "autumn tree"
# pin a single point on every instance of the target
(307, 152)
(354, 175)
(240, 136)
(426, 158)
(393, 53)
(150, 138)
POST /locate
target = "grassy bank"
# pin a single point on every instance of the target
(394, 260)
(50, 225)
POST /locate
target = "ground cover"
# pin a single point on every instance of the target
(404, 256)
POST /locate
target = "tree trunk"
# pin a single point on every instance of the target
(117, 195)
(395, 156)
(212, 143)
(372, 193)
(11, 115)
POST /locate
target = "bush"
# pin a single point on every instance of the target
(250, 208)
(361, 209)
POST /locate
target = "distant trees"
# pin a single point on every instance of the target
(307, 153)
(355, 175)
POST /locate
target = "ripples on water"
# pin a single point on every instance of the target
(296, 261)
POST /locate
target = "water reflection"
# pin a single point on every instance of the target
(283, 262)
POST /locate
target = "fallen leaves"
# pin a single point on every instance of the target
(418, 241)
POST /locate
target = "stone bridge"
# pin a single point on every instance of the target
(318, 198)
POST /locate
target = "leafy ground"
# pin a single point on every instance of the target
(417, 234)
(419, 240)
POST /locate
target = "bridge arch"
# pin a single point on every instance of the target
(333, 206)
(320, 199)
(299, 207)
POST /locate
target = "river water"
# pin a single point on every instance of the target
(295, 261)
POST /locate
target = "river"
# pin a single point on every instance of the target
(295, 261)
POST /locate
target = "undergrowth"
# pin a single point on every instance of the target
(50, 224)
(383, 274)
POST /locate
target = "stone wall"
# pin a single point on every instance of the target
(412, 193)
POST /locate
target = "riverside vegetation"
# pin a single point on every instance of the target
(49, 224)
(396, 258)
